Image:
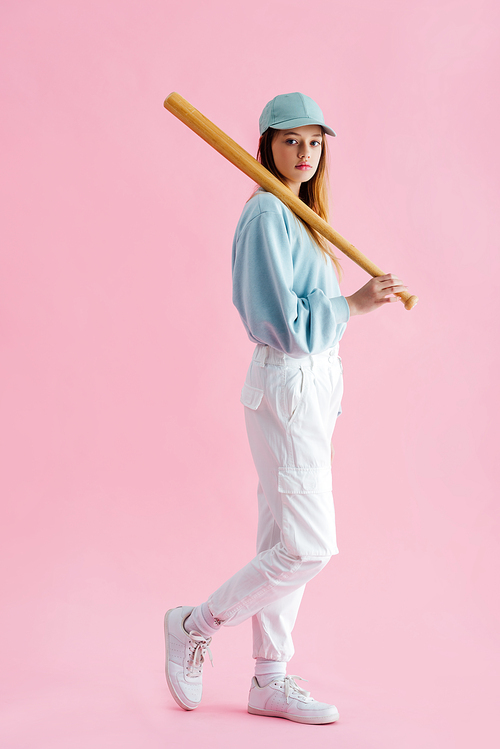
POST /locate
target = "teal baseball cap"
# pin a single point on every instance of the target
(292, 110)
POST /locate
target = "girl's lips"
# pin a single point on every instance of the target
(303, 166)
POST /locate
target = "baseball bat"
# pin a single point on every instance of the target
(237, 155)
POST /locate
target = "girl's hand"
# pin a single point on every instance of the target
(373, 294)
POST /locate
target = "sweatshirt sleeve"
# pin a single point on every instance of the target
(263, 293)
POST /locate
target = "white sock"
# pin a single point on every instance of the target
(266, 670)
(201, 620)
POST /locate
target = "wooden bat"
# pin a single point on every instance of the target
(237, 155)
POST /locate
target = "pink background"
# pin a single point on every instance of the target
(127, 484)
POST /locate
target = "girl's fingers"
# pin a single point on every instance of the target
(391, 281)
(386, 295)
(395, 289)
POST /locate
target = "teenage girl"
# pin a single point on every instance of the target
(286, 290)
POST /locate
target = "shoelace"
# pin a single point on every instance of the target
(292, 686)
(199, 646)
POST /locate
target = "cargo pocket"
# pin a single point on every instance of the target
(305, 480)
(307, 511)
(251, 397)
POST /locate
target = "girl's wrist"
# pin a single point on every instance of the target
(353, 310)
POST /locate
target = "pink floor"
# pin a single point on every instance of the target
(90, 674)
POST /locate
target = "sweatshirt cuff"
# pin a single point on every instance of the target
(340, 308)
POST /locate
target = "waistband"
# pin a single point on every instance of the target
(266, 355)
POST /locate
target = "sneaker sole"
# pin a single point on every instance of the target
(312, 720)
(167, 674)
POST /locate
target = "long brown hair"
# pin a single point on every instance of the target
(314, 192)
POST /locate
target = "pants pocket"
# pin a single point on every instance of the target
(292, 392)
(308, 513)
(251, 397)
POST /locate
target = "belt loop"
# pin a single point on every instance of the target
(263, 357)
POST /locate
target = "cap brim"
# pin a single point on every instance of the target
(300, 122)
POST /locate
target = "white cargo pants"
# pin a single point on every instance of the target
(291, 406)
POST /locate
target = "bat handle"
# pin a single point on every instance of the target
(409, 300)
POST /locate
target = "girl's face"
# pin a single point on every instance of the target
(297, 153)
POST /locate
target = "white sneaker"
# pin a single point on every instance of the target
(283, 698)
(184, 657)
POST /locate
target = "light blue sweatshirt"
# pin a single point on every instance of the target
(286, 294)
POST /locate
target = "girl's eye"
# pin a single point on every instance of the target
(293, 140)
